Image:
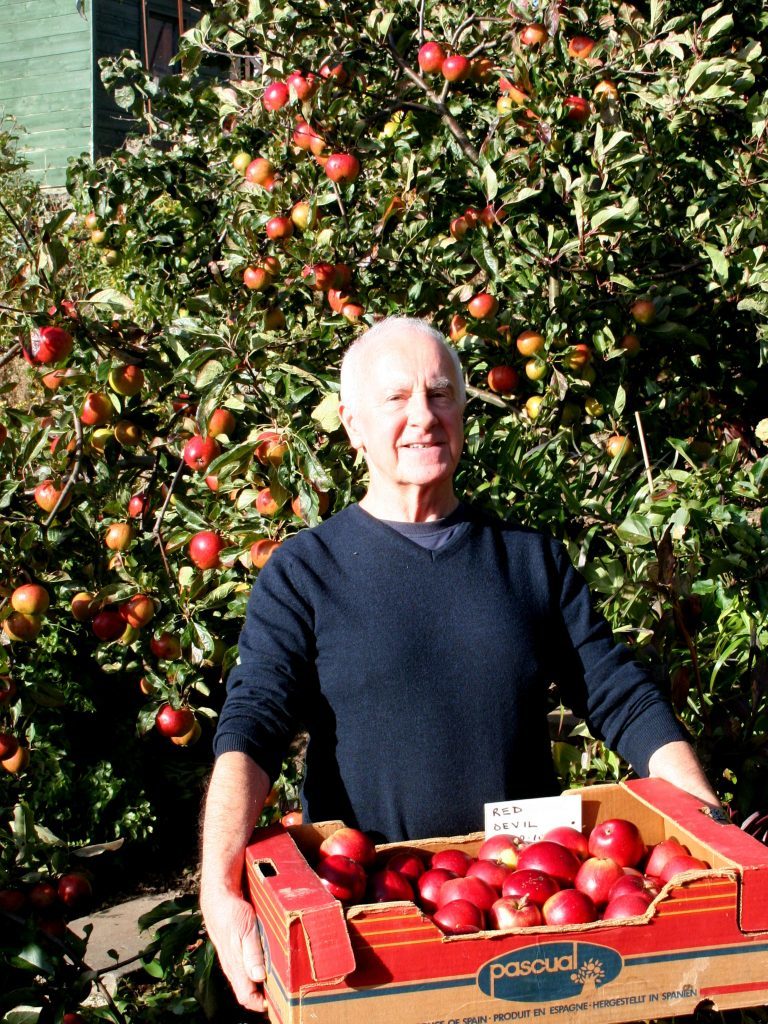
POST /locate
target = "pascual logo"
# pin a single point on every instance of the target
(542, 973)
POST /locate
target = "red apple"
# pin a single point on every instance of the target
(431, 57)
(138, 610)
(204, 549)
(21, 627)
(490, 871)
(533, 35)
(43, 896)
(96, 409)
(8, 690)
(270, 448)
(661, 853)
(265, 503)
(262, 550)
(278, 228)
(199, 452)
(257, 278)
(138, 504)
(530, 342)
(483, 306)
(221, 421)
(74, 890)
(349, 842)
(430, 884)
(537, 886)
(628, 905)
(46, 495)
(165, 646)
(618, 839)
(275, 96)
(409, 864)
(31, 599)
(343, 877)
(126, 380)
(551, 858)
(631, 885)
(569, 906)
(459, 227)
(8, 745)
(342, 168)
(580, 46)
(172, 721)
(456, 68)
(514, 912)
(571, 837)
(475, 890)
(456, 861)
(386, 886)
(83, 606)
(597, 877)
(459, 918)
(503, 379)
(643, 311)
(335, 72)
(323, 276)
(119, 536)
(500, 848)
(678, 865)
(304, 85)
(48, 345)
(577, 109)
(108, 624)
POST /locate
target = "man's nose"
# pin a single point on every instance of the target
(420, 409)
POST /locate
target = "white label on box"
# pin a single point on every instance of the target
(530, 819)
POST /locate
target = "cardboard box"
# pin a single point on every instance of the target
(703, 940)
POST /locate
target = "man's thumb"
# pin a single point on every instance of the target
(253, 956)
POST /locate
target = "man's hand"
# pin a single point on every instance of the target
(231, 925)
(236, 795)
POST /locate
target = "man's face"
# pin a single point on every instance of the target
(406, 415)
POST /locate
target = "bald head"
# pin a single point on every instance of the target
(353, 365)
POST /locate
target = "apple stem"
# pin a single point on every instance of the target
(339, 200)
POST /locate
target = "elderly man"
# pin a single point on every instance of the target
(415, 638)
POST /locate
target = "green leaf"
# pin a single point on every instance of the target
(611, 214)
(719, 262)
(326, 413)
(490, 182)
(634, 531)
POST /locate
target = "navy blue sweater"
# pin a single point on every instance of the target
(422, 676)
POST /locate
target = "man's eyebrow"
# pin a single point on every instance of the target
(442, 383)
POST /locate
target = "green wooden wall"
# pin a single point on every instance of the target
(46, 81)
(50, 78)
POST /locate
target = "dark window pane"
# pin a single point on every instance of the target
(162, 43)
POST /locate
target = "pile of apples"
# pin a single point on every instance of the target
(564, 878)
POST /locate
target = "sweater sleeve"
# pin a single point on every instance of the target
(276, 660)
(602, 680)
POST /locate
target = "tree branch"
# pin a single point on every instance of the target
(438, 103)
(74, 473)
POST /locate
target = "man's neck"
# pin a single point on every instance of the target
(416, 507)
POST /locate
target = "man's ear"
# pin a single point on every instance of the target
(349, 421)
